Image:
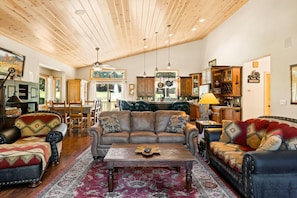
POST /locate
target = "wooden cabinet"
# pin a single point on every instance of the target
(231, 114)
(185, 86)
(196, 82)
(77, 90)
(220, 113)
(231, 81)
(194, 112)
(145, 86)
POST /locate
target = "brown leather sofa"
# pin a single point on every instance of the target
(141, 127)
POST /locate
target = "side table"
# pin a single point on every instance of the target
(201, 125)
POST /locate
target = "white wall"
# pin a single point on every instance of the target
(260, 28)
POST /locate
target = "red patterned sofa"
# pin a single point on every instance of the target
(257, 156)
(26, 149)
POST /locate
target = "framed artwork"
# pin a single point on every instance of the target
(9, 59)
(212, 63)
(131, 89)
(107, 74)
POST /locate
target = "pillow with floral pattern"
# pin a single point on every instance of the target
(177, 124)
(110, 124)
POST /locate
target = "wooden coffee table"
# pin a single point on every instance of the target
(171, 155)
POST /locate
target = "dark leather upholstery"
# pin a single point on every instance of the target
(181, 106)
(142, 106)
(264, 173)
(124, 105)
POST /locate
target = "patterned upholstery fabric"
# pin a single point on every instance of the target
(181, 106)
(271, 142)
(142, 106)
(37, 124)
(177, 124)
(234, 132)
(25, 152)
(110, 124)
(255, 132)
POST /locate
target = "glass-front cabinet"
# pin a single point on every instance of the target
(196, 82)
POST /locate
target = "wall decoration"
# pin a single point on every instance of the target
(131, 89)
(108, 74)
(10, 59)
(254, 77)
(212, 63)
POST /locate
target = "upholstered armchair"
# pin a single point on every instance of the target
(124, 105)
(181, 106)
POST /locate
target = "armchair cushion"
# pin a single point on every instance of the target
(110, 124)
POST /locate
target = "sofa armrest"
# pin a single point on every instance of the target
(191, 133)
(95, 132)
(268, 162)
(8, 136)
(57, 133)
(53, 137)
(262, 170)
(212, 134)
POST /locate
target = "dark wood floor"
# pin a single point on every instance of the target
(72, 147)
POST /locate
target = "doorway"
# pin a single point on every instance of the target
(109, 93)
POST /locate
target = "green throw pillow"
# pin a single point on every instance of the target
(110, 124)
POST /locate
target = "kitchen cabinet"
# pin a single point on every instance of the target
(145, 86)
(77, 90)
(196, 82)
(185, 86)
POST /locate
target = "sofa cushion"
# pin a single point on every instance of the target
(109, 124)
(255, 132)
(122, 116)
(177, 124)
(139, 137)
(234, 132)
(142, 121)
(119, 137)
(271, 142)
(37, 124)
(165, 137)
(163, 117)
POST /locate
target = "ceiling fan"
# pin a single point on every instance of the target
(99, 66)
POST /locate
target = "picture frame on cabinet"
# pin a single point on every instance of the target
(212, 63)
(118, 74)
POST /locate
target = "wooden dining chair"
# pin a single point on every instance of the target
(61, 108)
(76, 118)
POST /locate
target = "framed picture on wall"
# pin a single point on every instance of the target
(9, 59)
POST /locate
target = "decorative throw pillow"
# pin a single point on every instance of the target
(110, 124)
(234, 132)
(290, 137)
(271, 142)
(177, 124)
(255, 132)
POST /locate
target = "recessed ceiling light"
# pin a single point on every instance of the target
(201, 20)
(79, 12)
(194, 29)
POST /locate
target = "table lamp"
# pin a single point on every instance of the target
(206, 100)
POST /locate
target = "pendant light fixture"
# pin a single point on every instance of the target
(156, 51)
(144, 46)
(169, 35)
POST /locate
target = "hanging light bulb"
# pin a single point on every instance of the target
(169, 35)
(156, 51)
(144, 46)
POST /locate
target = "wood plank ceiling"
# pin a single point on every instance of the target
(70, 30)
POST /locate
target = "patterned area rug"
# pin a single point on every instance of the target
(88, 178)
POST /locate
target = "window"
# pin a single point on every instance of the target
(42, 90)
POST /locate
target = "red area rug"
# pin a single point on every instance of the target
(88, 178)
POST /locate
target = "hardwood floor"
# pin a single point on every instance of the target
(72, 147)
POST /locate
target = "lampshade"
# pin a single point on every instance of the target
(208, 98)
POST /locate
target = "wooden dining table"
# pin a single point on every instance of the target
(86, 110)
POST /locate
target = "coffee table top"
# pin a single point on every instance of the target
(168, 153)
